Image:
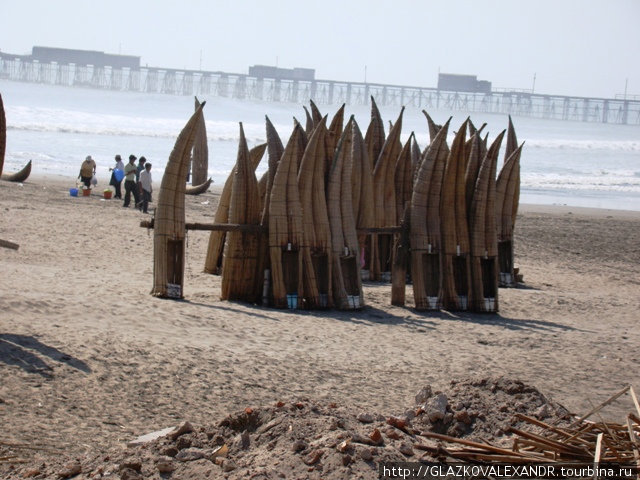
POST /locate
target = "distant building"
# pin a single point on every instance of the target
(82, 57)
(462, 83)
(267, 71)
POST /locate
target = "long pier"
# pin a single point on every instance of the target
(328, 92)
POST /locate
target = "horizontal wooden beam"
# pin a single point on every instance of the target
(236, 227)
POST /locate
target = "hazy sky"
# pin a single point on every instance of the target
(574, 47)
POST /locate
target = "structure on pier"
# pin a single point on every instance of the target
(119, 72)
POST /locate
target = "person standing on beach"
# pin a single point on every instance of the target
(145, 184)
(114, 181)
(130, 185)
(139, 169)
(87, 171)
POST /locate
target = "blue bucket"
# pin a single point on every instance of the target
(73, 192)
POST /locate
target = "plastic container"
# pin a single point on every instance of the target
(73, 192)
(107, 194)
(86, 192)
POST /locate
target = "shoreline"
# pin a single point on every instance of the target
(62, 180)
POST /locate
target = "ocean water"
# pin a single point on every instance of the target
(564, 163)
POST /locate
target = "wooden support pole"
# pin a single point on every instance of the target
(235, 227)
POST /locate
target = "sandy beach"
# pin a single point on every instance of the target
(90, 360)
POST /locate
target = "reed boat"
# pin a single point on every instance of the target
(433, 126)
(483, 234)
(334, 133)
(346, 279)
(19, 176)
(169, 229)
(315, 113)
(198, 189)
(309, 125)
(507, 196)
(213, 261)
(241, 249)
(477, 151)
(373, 140)
(456, 285)
(361, 191)
(285, 227)
(426, 245)
(416, 156)
(403, 177)
(385, 203)
(374, 137)
(3, 134)
(275, 149)
(316, 233)
(200, 156)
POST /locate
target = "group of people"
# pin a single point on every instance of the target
(137, 179)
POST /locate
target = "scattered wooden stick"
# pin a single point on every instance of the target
(8, 244)
(635, 399)
(601, 406)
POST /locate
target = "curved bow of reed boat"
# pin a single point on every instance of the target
(19, 176)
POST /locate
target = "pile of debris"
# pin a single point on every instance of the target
(308, 439)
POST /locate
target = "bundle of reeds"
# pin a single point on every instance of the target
(416, 156)
(200, 158)
(198, 189)
(240, 262)
(385, 202)
(483, 234)
(425, 223)
(316, 233)
(285, 227)
(454, 228)
(213, 261)
(169, 229)
(347, 284)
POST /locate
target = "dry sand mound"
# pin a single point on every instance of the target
(309, 439)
